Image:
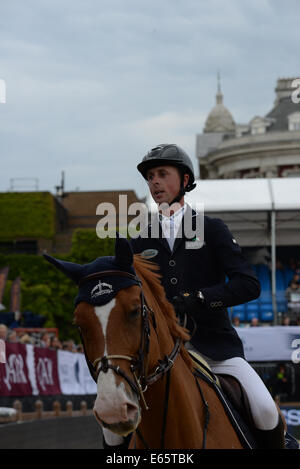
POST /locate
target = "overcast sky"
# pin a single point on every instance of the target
(92, 85)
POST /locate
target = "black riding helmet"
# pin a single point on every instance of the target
(172, 155)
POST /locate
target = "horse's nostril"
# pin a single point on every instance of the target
(131, 411)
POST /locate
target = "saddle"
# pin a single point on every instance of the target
(232, 395)
(237, 396)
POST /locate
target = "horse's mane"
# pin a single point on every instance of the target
(148, 272)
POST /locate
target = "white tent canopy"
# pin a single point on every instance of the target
(243, 195)
(246, 206)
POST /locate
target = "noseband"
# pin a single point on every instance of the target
(139, 384)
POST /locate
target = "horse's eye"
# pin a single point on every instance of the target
(135, 313)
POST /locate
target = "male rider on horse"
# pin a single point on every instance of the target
(194, 281)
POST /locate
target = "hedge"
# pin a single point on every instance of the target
(86, 246)
(27, 214)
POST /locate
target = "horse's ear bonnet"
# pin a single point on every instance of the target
(98, 291)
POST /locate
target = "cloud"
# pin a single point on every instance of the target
(92, 85)
(167, 127)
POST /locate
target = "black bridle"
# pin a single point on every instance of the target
(138, 366)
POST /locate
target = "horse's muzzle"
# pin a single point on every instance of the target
(121, 428)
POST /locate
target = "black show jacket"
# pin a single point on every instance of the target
(205, 268)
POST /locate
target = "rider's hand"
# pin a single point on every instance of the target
(188, 303)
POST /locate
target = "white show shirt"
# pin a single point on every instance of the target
(170, 225)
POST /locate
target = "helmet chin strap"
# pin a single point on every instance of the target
(180, 193)
(178, 197)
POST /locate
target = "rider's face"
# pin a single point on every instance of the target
(164, 183)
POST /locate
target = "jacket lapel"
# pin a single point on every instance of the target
(155, 230)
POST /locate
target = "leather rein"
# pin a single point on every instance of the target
(138, 368)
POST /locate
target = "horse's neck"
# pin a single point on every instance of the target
(171, 397)
(178, 381)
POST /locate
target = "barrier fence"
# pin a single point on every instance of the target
(32, 370)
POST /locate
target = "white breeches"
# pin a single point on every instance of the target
(262, 405)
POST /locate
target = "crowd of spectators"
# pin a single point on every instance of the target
(285, 321)
(39, 339)
(289, 317)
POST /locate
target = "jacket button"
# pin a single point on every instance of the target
(173, 280)
(172, 263)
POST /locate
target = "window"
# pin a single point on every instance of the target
(259, 125)
(294, 121)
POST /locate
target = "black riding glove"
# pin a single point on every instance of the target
(188, 303)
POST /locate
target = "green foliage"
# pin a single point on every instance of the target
(47, 291)
(86, 246)
(27, 214)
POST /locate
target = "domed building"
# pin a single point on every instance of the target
(219, 119)
(262, 212)
(268, 146)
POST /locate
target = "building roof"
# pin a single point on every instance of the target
(280, 114)
(208, 142)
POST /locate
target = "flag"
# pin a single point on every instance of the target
(15, 295)
(3, 278)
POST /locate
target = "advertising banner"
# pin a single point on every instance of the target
(14, 380)
(29, 370)
(73, 372)
(88, 384)
(46, 372)
(291, 414)
(68, 372)
(271, 343)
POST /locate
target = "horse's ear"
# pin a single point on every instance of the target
(70, 269)
(123, 252)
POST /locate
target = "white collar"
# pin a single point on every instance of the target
(176, 216)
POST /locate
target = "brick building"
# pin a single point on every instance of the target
(36, 221)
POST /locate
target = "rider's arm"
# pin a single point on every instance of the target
(242, 285)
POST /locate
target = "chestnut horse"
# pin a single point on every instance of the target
(134, 346)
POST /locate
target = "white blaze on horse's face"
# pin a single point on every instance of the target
(113, 405)
(102, 313)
